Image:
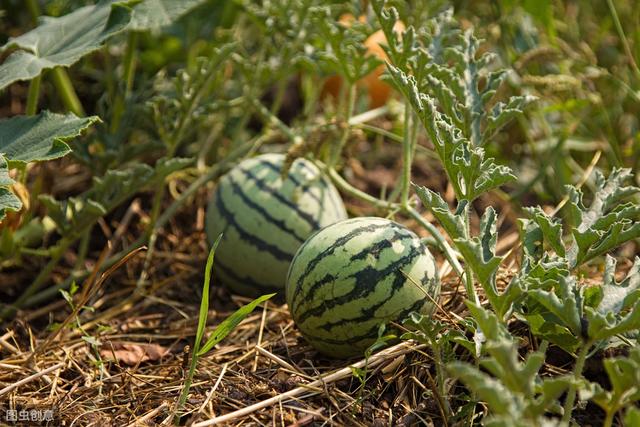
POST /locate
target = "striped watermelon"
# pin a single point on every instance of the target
(264, 220)
(352, 276)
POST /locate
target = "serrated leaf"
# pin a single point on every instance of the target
(624, 377)
(452, 223)
(9, 202)
(63, 41)
(615, 296)
(564, 303)
(502, 113)
(76, 213)
(487, 388)
(155, 14)
(26, 139)
(606, 223)
(514, 392)
(550, 228)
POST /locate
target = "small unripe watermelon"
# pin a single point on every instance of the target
(264, 220)
(352, 276)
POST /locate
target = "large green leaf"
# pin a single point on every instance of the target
(26, 139)
(8, 200)
(63, 41)
(153, 14)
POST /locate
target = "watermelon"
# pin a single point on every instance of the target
(351, 276)
(265, 218)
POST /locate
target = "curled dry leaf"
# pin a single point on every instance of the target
(132, 353)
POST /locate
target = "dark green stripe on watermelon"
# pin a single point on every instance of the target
(278, 253)
(368, 281)
(247, 281)
(265, 219)
(331, 249)
(352, 276)
(261, 211)
(262, 185)
(360, 276)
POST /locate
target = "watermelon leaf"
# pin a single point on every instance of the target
(513, 390)
(76, 213)
(606, 223)
(624, 377)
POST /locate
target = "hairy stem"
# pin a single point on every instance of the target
(66, 91)
(129, 67)
(337, 149)
(33, 95)
(577, 374)
(442, 243)
(407, 156)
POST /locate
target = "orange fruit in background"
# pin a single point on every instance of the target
(378, 91)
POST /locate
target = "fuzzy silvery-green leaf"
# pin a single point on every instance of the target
(25, 139)
(624, 377)
(76, 213)
(154, 14)
(632, 416)
(615, 297)
(488, 389)
(550, 228)
(469, 172)
(479, 253)
(546, 326)
(345, 54)
(502, 113)
(452, 223)
(61, 42)
(564, 302)
(513, 390)
(606, 223)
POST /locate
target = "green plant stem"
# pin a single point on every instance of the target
(407, 156)
(40, 279)
(129, 70)
(623, 38)
(440, 379)
(337, 149)
(343, 185)
(577, 375)
(66, 91)
(33, 95)
(34, 10)
(442, 243)
(611, 413)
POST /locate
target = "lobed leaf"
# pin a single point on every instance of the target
(606, 223)
(76, 213)
(25, 139)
